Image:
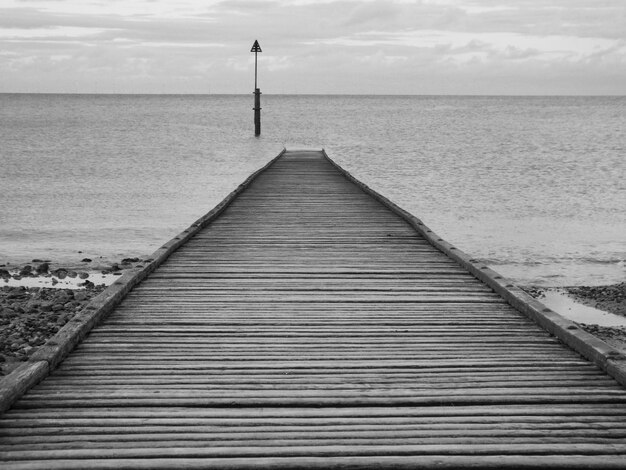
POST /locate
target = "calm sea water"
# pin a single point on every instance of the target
(534, 186)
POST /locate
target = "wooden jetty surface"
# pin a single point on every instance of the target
(310, 326)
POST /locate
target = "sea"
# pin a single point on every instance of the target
(533, 186)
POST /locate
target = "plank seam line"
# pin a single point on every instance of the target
(50, 355)
(606, 357)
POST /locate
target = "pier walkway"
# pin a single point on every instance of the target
(311, 326)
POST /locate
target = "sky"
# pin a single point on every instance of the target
(468, 47)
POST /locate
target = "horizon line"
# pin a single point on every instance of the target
(477, 95)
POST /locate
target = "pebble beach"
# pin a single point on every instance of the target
(37, 299)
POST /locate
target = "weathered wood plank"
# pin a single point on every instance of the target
(328, 450)
(336, 462)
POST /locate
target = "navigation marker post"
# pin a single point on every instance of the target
(257, 92)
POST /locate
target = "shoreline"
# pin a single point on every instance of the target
(76, 273)
(590, 303)
(38, 298)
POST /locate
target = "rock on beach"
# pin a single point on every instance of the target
(30, 316)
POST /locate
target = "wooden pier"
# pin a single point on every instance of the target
(309, 323)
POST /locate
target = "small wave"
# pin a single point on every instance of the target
(583, 260)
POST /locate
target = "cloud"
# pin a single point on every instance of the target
(320, 45)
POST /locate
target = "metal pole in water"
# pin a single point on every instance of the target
(256, 48)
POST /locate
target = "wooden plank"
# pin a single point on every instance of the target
(327, 450)
(337, 462)
(23, 378)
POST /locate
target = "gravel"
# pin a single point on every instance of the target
(30, 316)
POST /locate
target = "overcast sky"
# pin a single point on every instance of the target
(314, 46)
